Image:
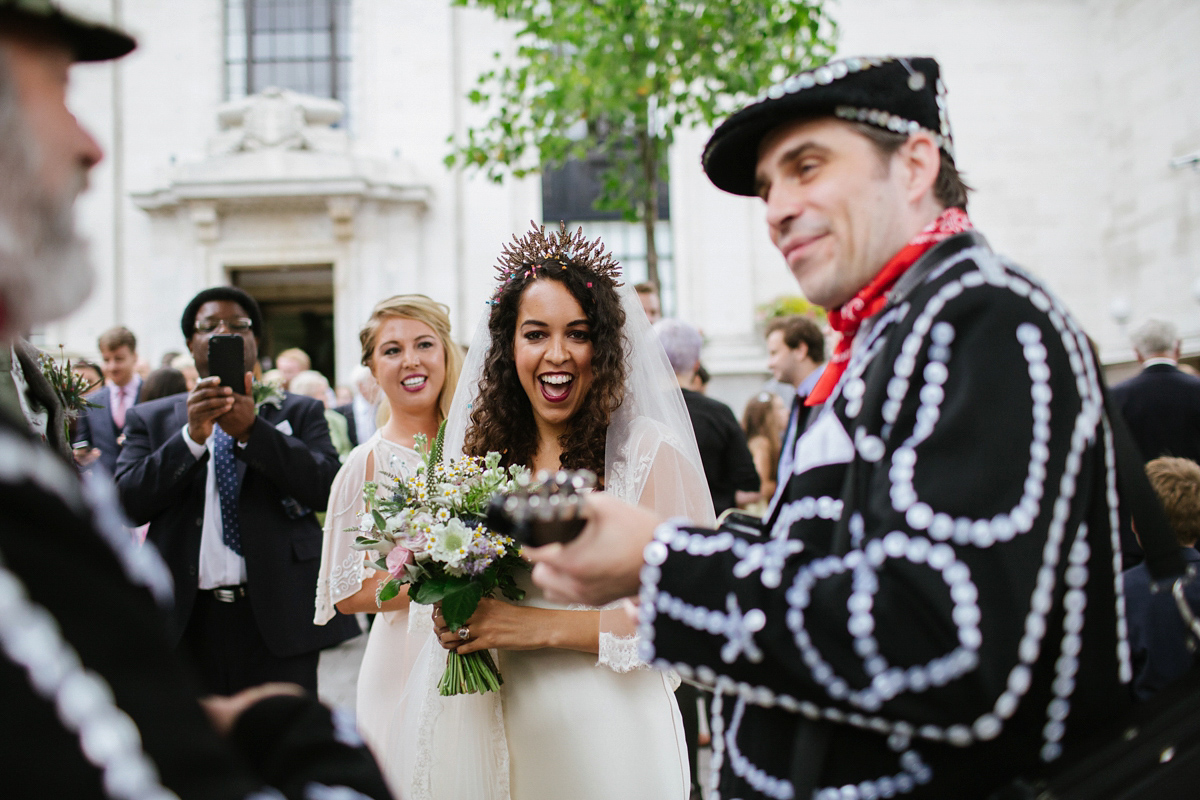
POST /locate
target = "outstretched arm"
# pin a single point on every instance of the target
(302, 464)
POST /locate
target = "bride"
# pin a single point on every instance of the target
(566, 373)
(407, 346)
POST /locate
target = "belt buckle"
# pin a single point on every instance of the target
(225, 595)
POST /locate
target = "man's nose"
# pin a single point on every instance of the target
(782, 208)
(88, 151)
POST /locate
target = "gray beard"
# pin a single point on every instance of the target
(45, 270)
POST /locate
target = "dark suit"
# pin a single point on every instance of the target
(728, 465)
(96, 427)
(347, 411)
(108, 624)
(1162, 406)
(1157, 634)
(282, 478)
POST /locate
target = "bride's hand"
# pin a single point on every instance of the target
(494, 624)
(504, 626)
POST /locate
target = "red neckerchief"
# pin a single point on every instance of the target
(871, 299)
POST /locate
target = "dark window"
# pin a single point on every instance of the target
(570, 192)
(569, 195)
(302, 45)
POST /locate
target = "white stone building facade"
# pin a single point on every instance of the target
(1068, 117)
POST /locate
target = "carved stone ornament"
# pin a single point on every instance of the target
(278, 150)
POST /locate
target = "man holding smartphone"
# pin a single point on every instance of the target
(230, 492)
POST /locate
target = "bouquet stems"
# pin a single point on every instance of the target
(473, 673)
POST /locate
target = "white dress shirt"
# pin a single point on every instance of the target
(365, 413)
(219, 565)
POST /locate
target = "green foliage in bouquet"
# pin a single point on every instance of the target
(427, 531)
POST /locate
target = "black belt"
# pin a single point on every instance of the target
(227, 594)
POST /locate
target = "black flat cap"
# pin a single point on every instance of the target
(90, 41)
(901, 94)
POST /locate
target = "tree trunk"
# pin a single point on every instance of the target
(648, 210)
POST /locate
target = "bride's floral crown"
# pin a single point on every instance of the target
(536, 250)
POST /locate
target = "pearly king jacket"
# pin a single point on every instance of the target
(96, 703)
(933, 603)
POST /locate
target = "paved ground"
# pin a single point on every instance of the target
(337, 673)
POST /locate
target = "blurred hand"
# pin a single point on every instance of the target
(86, 456)
(239, 419)
(602, 564)
(205, 403)
(224, 711)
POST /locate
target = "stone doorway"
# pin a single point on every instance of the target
(297, 307)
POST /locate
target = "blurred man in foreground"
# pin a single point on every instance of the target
(95, 703)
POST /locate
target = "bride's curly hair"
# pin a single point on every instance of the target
(502, 417)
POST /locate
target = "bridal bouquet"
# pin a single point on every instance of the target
(428, 532)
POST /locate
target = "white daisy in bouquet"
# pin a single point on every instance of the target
(427, 531)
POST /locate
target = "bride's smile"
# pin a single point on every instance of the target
(553, 352)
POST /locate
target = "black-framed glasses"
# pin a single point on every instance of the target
(239, 325)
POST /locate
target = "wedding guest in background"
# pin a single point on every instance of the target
(88, 371)
(700, 382)
(84, 454)
(648, 294)
(292, 362)
(796, 357)
(168, 357)
(344, 395)
(103, 427)
(143, 368)
(415, 364)
(229, 491)
(1157, 634)
(273, 377)
(363, 410)
(96, 705)
(1161, 403)
(186, 365)
(764, 420)
(728, 466)
(163, 382)
(311, 383)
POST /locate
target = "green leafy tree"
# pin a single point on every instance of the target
(618, 77)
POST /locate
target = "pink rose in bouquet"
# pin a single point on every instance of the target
(396, 561)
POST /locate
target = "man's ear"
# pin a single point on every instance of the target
(921, 160)
(802, 349)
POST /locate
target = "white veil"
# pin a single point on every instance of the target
(650, 458)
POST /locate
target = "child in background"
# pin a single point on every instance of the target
(1157, 634)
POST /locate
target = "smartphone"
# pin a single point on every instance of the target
(227, 360)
